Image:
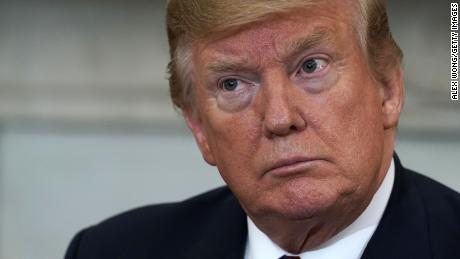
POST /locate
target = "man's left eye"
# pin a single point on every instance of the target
(313, 65)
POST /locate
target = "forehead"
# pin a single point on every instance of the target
(321, 24)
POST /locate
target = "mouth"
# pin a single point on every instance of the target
(290, 166)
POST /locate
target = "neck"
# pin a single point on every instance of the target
(297, 236)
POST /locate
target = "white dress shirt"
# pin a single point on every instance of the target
(347, 244)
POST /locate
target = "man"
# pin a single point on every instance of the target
(296, 103)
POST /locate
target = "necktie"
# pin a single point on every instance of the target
(289, 257)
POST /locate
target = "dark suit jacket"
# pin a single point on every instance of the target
(422, 220)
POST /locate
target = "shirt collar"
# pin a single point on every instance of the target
(347, 244)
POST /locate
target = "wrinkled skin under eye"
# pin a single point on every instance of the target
(235, 94)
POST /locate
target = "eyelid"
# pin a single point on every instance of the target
(220, 81)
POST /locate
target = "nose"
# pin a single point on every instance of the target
(282, 109)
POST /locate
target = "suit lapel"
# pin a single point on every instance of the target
(402, 231)
(224, 237)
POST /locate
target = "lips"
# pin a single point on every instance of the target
(291, 165)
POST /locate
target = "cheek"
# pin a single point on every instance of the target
(351, 125)
(231, 136)
(233, 102)
(357, 111)
(232, 139)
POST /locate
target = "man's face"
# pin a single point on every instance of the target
(288, 112)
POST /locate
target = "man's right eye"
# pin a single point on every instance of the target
(230, 84)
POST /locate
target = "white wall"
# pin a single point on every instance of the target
(56, 183)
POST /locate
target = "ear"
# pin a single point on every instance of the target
(393, 97)
(195, 125)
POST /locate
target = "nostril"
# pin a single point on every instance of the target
(277, 130)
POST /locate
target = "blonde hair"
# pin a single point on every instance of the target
(189, 21)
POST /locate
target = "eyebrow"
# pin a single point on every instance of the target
(228, 66)
(319, 36)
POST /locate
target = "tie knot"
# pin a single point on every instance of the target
(289, 257)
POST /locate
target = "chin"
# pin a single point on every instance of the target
(302, 201)
(305, 209)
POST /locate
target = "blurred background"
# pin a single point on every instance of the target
(87, 129)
